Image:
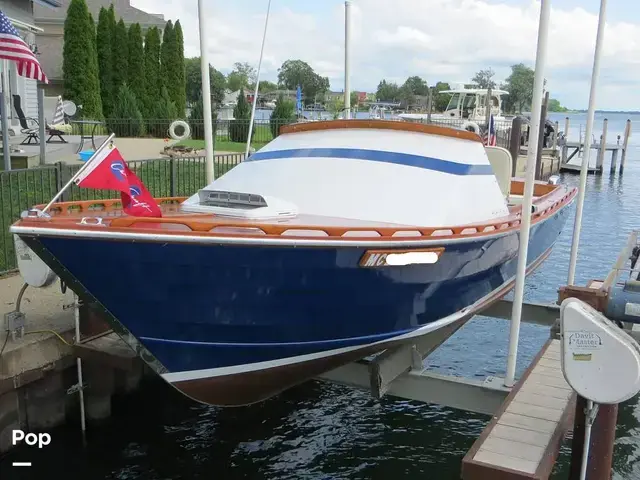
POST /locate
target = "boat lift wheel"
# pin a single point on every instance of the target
(185, 127)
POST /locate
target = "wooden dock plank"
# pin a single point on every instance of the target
(523, 439)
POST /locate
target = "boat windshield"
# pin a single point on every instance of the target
(453, 102)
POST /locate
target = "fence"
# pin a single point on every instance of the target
(22, 189)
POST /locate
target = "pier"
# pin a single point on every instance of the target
(571, 149)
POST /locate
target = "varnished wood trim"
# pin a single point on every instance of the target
(381, 125)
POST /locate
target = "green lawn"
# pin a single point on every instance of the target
(261, 137)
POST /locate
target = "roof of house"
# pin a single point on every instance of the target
(123, 10)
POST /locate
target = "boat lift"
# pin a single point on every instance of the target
(530, 417)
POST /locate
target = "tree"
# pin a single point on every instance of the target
(520, 87)
(151, 68)
(387, 92)
(416, 85)
(80, 60)
(120, 55)
(239, 127)
(126, 118)
(193, 79)
(266, 86)
(441, 100)
(136, 65)
(180, 95)
(242, 75)
(284, 113)
(483, 79)
(167, 56)
(555, 106)
(104, 45)
(296, 72)
(354, 99)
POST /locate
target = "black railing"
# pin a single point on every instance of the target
(24, 188)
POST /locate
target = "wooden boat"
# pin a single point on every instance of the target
(336, 240)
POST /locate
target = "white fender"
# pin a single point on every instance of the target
(33, 270)
(184, 125)
(471, 126)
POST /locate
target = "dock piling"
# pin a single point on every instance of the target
(625, 143)
(602, 147)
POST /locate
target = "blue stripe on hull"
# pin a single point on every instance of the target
(407, 159)
(207, 306)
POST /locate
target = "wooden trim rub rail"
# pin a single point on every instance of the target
(67, 214)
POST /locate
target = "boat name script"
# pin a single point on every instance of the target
(584, 339)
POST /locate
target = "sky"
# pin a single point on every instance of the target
(438, 40)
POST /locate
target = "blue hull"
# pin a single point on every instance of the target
(205, 307)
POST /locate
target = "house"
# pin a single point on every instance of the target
(21, 15)
(51, 39)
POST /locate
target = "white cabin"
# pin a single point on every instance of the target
(380, 172)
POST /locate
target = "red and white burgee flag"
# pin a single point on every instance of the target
(13, 47)
(109, 171)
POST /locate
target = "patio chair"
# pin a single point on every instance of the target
(60, 125)
(30, 132)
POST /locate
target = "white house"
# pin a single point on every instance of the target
(20, 13)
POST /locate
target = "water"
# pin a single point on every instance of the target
(323, 431)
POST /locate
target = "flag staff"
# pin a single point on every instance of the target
(80, 170)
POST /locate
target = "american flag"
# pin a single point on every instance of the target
(13, 47)
(490, 133)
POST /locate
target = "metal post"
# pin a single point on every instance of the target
(487, 108)
(536, 110)
(206, 92)
(430, 104)
(41, 125)
(255, 95)
(587, 144)
(76, 307)
(347, 40)
(5, 120)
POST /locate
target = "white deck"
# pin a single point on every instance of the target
(523, 436)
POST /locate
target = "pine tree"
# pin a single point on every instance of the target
(79, 60)
(167, 58)
(181, 82)
(105, 59)
(136, 65)
(120, 55)
(151, 68)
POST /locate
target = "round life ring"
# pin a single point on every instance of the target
(471, 127)
(184, 125)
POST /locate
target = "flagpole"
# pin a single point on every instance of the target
(5, 120)
(255, 95)
(80, 170)
(206, 93)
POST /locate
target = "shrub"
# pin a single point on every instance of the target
(283, 114)
(127, 119)
(239, 127)
(164, 113)
(196, 121)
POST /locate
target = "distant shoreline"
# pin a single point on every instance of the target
(629, 112)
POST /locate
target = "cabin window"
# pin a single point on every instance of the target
(453, 103)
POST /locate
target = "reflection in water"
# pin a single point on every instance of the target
(325, 431)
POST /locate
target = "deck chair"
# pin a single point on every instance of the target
(30, 132)
(59, 125)
(501, 162)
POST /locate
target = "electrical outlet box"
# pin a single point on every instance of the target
(14, 321)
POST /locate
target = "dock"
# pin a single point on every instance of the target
(572, 148)
(524, 437)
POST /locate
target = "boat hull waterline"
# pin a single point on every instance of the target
(234, 324)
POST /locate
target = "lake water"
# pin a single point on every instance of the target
(324, 431)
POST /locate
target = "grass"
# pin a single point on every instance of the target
(261, 137)
(22, 189)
